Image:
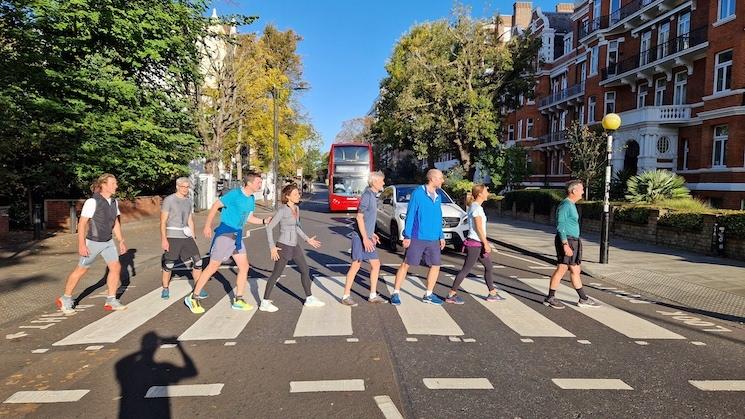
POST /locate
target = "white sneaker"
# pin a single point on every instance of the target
(312, 301)
(266, 305)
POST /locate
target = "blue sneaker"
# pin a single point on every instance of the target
(204, 294)
(432, 299)
(395, 299)
(455, 299)
(165, 294)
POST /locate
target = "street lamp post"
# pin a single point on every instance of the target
(275, 145)
(611, 123)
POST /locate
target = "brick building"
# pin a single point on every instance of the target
(667, 67)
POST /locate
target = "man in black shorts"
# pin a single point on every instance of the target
(177, 233)
(568, 248)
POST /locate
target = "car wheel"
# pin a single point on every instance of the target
(393, 238)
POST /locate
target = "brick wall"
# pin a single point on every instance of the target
(57, 211)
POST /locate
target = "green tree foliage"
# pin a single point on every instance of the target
(96, 86)
(507, 166)
(654, 186)
(446, 84)
(589, 154)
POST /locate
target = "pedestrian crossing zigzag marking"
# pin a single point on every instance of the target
(621, 321)
(333, 319)
(118, 324)
(222, 321)
(420, 318)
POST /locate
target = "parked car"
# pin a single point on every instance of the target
(391, 218)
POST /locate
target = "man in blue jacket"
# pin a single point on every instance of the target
(423, 237)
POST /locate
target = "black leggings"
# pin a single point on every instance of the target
(286, 254)
(473, 254)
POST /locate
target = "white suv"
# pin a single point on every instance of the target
(393, 203)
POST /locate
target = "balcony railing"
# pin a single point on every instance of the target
(562, 95)
(553, 137)
(669, 114)
(658, 52)
(602, 22)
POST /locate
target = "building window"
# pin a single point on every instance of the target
(581, 114)
(641, 96)
(723, 71)
(561, 162)
(596, 9)
(591, 102)
(663, 145)
(685, 154)
(519, 130)
(611, 63)
(684, 28)
(615, 11)
(659, 92)
(568, 43)
(681, 83)
(511, 133)
(644, 45)
(719, 155)
(562, 120)
(663, 37)
(610, 102)
(726, 9)
(594, 60)
(583, 72)
(529, 128)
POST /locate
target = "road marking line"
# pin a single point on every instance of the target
(541, 267)
(698, 343)
(591, 384)
(622, 322)
(641, 342)
(457, 384)
(94, 347)
(526, 340)
(412, 340)
(46, 326)
(334, 265)
(584, 342)
(290, 342)
(718, 385)
(386, 405)
(230, 343)
(453, 339)
(469, 340)
(520, 258)
(326, 385)
(352, 340)
(221, 321)
(118, 324)
(333, 319)
(167, 346)
(515, 314)
(421, 318)
(40, 351)
(184, 390)
(47, 396)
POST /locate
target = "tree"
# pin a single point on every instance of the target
(446, 83)
(356, 130)
(588, 151)
(507, 166)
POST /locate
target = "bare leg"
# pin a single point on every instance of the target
(561, 269)
(374, 273)
(432, 275)
(74, 278)
(241, 260)
(351, 274)
(112, 280)
(574, 275)
(205, 275)
(166, 278)
(401, 275)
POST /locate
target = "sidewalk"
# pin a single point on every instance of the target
(714, 286)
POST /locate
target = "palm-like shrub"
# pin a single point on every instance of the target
(657, 185)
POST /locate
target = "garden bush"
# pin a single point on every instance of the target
(654, 186)
(591, 210)
(542, 199)
(634, 215)
(734, 224)
(682, 221)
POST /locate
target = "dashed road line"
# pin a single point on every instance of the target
(458, 384)
(47, 396)
(326, 386)
(184, 390)
(591, 384)
(386, 405)
(718, 385)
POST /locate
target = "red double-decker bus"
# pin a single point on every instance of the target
(349, 168)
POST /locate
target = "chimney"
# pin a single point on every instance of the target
(565, 8)
(522, 12)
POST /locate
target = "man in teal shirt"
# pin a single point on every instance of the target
(568, 248)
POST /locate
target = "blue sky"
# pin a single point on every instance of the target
(346, 44)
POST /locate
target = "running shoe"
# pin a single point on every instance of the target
(65, 304)
(496, 297)
(165, 294)
(553, 302)
(349, 301)
(455, 299)
(114, 305)
(395, 299)
(588, 303)
(432, 299)
(241, 304)
(266, 305)
(202, 295)
(193, 304)
(312, 301)
(376, 300)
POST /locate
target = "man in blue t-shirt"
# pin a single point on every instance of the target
(237, 208)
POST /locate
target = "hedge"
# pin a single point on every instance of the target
(542, 199)
(591, 210)
(634, 215)
(682, 221)
(734, 225)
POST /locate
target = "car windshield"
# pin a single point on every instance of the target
(349, 186)
(403, 194)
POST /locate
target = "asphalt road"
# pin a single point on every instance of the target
(633, 357)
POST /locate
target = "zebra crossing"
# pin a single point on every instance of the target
(221, 322)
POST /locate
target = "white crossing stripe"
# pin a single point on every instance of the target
(184, 390)
(622, 322)
(386, 405)
(222, 321)
(514, 313)
(47, 396)
(719, 385)
(326, 385)
(118, 324)
(333, 319)
(591, 384)
(457, 384)
(418, 317)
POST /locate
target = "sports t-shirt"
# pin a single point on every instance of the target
(475, 210)
(238, 207)
(368, 207)
(178, 209)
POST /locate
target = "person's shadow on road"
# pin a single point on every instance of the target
(139, 373)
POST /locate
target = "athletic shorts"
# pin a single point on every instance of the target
(358, 250)
(575, 244)
(107, 250)
(224, 247)
(182, 249)
(426, 252)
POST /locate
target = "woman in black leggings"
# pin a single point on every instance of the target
(477, 247)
